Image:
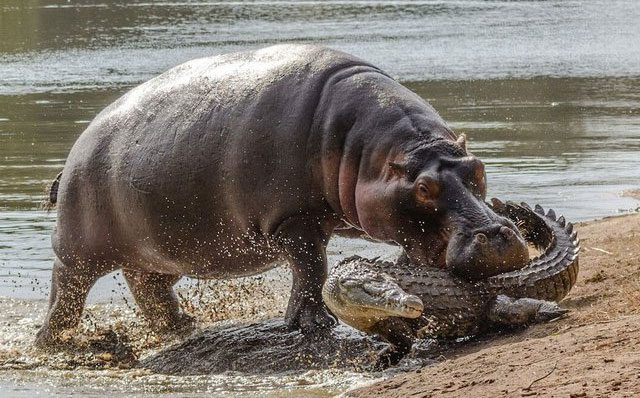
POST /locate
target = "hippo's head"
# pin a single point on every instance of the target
(431, 201)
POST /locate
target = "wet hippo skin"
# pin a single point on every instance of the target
(223, 166)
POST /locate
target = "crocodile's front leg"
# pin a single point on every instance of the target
(508, 311)
(399, 334)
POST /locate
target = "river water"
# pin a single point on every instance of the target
(548, 93)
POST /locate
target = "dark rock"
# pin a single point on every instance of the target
(265, 348)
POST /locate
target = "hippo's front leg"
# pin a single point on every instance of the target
(305, 242)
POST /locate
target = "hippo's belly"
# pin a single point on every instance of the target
(206, 260)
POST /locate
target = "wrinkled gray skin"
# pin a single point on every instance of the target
(223, 166)
(399, 301)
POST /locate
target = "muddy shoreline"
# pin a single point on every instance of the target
(592, 352)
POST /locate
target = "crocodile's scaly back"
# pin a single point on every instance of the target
(549, 276)
(454, 307)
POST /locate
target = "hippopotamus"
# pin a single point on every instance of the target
(224, 166)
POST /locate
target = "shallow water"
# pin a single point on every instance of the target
(548, 93)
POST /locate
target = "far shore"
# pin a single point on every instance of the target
(632, 193)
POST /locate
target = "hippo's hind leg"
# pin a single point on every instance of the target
(157, 300)
(305, 243)
(70, 285)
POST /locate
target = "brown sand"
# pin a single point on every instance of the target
(593, 352)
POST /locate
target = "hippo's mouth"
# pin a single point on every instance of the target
(439, 256)
(473, 252)
(434, 254)
(486, 251)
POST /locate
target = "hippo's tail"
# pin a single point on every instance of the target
(53, 193)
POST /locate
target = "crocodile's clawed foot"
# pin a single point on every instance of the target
(387, 357)
(548, 311)
(518, 312)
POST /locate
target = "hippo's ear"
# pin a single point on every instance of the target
(397, 170)
(462, 141)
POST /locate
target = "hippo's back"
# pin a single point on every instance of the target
(215, 141)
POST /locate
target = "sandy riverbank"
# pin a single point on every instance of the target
(593, 352)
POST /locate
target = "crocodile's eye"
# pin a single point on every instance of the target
(375, 288)
(348, 282)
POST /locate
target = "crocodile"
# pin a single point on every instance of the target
(400, 302)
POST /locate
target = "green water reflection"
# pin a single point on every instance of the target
(541, 128)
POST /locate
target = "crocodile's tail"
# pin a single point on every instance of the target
(53, 193)
(551, 275)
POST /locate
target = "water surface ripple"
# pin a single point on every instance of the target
(54, 45)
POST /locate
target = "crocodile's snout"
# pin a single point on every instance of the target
(361, 296)
(412, 306)
(378, 292)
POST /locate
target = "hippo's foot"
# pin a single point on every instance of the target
(310, 319)
(48, 341)
(158, 302)
(182, 325)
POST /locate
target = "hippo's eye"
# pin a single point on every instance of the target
(427, 191)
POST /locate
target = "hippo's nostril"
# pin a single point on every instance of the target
(481, 238)
(507, 232)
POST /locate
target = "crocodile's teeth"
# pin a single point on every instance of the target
(562, 221)
(538, 209)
